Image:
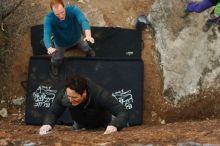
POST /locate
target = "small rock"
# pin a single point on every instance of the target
(153, 114)
(4, 112)
(2, 101)
(32, 4)
(131, 20)
(3, 142)
(149, 37)
(14, 114)
(18, 101)
(189, 144)
(58, 144)
(163, 122)
(20, 117)
(147, 30)
(81, 1)
(103, 144)
(30, 144)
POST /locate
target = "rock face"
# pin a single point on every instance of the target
(189, 58)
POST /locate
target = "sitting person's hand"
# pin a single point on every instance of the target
(110, 129)
(51, 50)
(89, 39)
(44, 129)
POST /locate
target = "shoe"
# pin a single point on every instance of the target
(90, 53)
(207, 26)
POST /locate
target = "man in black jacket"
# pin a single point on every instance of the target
(90, 106)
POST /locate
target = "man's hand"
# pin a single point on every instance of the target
(89, 39)
(110, 129)
(44, 129)
(51, 50)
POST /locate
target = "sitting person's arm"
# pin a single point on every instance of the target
(48, 34)
(83, 21)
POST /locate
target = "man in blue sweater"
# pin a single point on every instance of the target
(65, 25)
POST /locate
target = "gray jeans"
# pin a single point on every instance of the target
(58, 55)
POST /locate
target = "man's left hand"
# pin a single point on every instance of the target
(89, 39)
(110, 129)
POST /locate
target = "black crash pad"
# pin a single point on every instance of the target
(123, 78)
(112, 42)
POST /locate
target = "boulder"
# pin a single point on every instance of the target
(189, 58)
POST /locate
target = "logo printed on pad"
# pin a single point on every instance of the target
(44, 96)
(124, 97)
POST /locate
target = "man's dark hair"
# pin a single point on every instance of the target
(76, 83)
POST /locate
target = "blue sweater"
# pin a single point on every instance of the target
(66, 32)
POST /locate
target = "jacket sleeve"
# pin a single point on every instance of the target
(55, 111)
(112, 105)
(81, 18)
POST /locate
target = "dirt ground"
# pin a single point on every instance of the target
(182, 134)
(163, 123)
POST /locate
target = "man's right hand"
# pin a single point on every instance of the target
(51, 50)
(110, 129)
(44, 129)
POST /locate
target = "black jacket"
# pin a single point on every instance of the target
(95, 112)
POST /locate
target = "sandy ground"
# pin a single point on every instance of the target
(182, 133)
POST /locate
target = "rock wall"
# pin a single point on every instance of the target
(189, 58)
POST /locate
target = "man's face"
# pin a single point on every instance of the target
(59, 11)
(74, 97)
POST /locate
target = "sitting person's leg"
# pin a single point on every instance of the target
(56, 60)
(84, 46)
